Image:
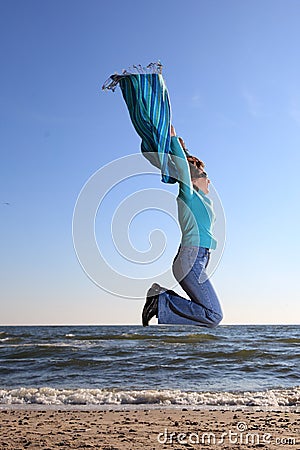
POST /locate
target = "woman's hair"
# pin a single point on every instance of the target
(196, 166)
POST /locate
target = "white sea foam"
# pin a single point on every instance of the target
(21, 346)
(52, 396)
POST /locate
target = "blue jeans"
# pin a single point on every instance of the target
(203, 308)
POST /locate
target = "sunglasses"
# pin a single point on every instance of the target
(202, 175)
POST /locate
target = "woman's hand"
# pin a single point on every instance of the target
(182, 143)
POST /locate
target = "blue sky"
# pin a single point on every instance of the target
(232, 71)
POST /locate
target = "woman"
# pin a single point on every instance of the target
(196, 218)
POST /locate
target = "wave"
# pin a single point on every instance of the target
(187, 338)
(32, 352)
(52, 396)
(289, 340)
(9, 339)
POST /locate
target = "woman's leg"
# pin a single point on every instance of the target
(204, 308)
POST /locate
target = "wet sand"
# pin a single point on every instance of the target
(144, 429)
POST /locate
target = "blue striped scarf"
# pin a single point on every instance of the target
(148, 103)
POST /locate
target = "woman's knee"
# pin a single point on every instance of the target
(215, 320)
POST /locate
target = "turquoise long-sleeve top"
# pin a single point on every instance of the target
(195, 210)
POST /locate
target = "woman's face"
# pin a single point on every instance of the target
(202, 183)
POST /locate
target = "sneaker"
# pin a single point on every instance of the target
(151, 305)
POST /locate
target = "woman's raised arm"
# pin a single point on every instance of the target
(181, 163)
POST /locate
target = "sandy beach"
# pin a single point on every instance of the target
(148, 429)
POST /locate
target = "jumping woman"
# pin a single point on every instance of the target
(196, 218)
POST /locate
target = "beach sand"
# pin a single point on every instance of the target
(142, 429)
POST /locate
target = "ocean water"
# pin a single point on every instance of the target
(165, 365)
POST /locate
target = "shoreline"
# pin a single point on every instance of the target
(147, 429)
(106, 398)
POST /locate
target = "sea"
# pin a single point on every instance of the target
(106, 366)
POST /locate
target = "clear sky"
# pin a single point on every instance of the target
(232, 69)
